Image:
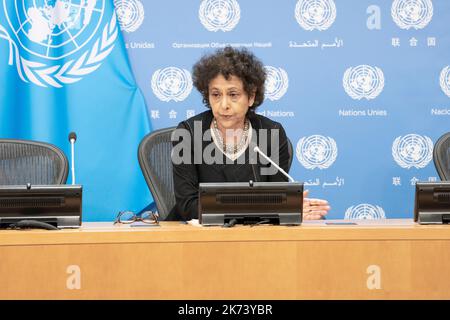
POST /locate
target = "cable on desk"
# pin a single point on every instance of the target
(230, 223)
(32, 224)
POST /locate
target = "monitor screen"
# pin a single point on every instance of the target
(58, 205)
(432, 202)
(250, 203)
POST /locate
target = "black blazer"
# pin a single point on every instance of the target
(187, 176)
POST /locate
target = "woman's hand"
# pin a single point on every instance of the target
(314, 209)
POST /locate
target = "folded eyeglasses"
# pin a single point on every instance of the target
(127, 217)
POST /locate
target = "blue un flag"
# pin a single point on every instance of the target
(63, 68)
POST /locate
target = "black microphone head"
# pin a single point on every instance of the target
(72, 136)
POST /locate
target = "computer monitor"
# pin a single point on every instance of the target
(251, 203)
(58, 205)
(432, 203)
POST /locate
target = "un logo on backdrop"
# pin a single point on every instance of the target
(363, 81)
(316, 151)
(315, 14)
(276, 84)
(364, 211)
(444, 80)
(171, 84)
(412, 13)
(49, 30)
(218, 15)
(130, 14)
(412, 150)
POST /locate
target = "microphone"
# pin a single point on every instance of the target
(72, 139)
(256, 149)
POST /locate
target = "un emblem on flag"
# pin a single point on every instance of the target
(444, 80)
(276, 84)
(364, 211)
(409, 14)
(363, 81)
(218, 15)
(315, 14)
(171, 84)
(45, 31)
(316, 151)
(130, 14)
(412, 150)
(44, 27)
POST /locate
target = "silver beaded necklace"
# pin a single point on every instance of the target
(232, 149)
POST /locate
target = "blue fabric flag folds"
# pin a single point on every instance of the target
(63, 68)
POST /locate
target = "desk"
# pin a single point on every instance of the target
(395, 259)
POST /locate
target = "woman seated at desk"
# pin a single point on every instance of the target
(216, 145)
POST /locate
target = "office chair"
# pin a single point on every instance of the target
(155, 159)
(291, 154)
(154, 154)
(441, 156)
(26, 161)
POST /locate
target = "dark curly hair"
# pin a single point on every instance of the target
(231, 62)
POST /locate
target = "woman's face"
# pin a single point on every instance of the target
(229, 101)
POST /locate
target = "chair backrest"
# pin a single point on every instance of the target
(26, 161)
(441, 156)
(155, 159)
(291, 154)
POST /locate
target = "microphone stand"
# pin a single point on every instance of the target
(256, 149)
